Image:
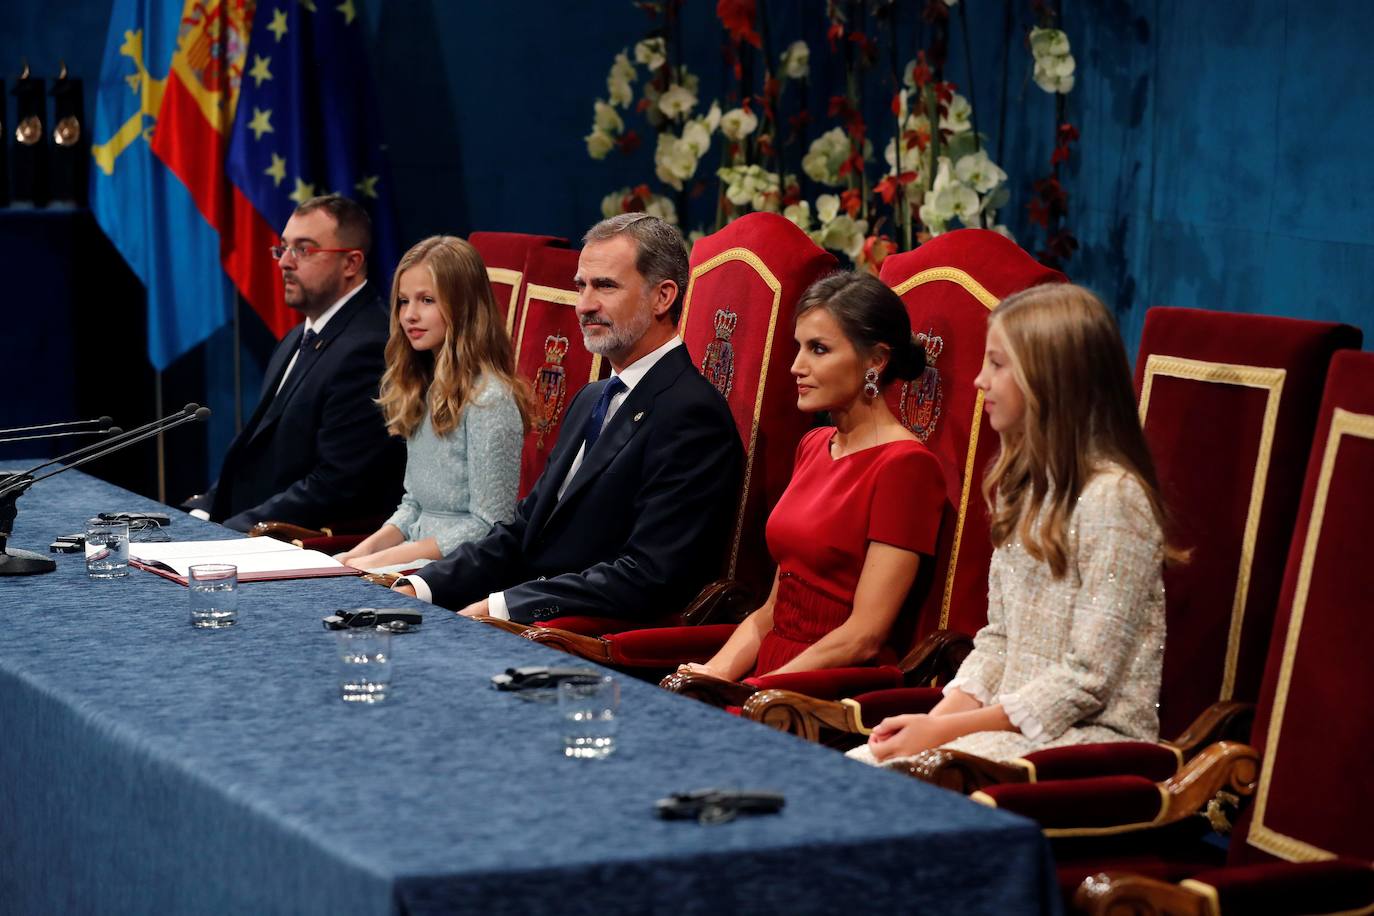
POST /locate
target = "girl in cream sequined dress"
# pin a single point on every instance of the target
(1074, 643)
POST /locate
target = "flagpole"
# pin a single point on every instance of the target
(238, 369)
(161, 457)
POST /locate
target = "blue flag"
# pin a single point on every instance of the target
(307, 123)
(143, 207)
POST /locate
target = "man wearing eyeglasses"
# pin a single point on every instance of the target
(315, 451)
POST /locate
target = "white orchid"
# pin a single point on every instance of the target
(979, 172)
(800, 214)
(696, 134)
(827, 207)
(825, 156)
(662, 207)
(796, 61)
(607, 119)
(655, 205)
(912, 156)
(844, 233)
(713, 117)
(959, 117)
(677, 101)
(737, 123)
(1054, 63)
(611, 203)
(599, 144)
(752, 185)
(652, 53)
(619, 79)
(674, 161)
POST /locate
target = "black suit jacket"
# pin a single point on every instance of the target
(641, 527)
(317, 452)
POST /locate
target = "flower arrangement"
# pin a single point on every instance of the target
(935, 171)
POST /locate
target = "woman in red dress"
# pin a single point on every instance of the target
(864, 502)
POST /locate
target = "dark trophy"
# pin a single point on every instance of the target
(29, 170)
(71, 145)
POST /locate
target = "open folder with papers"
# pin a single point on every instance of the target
(258, 559)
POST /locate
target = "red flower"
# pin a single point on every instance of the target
(765, 144)
(1066, 134)
(1039, 213)
(921, 72)
(851, 200)
(628, 143)
(738, 18)
(886, 189)
(642, 191)
(835, 33)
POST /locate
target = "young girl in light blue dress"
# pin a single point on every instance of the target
(451, 391)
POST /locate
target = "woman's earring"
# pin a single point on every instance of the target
(871, 383)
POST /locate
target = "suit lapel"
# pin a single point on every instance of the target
(628, 420)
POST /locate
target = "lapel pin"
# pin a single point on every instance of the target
(639, 416)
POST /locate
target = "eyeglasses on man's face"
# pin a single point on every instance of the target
(305, 252)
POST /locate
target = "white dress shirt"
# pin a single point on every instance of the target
(630, 376)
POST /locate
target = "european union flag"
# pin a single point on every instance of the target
(142, 206)
(307, 123)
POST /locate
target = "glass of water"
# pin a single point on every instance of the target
(107, 548)
(214, 591)
(364, 664)
(588, 707)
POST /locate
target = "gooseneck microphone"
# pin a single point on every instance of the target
(103, 421)
(112, 431)
(12, 486)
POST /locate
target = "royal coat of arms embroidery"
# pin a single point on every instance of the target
(718, 364)
(550, 387)
(923, 397)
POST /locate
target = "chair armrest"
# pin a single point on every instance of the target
(804, 716)
(831, 683)
(959, 772)
(1154, 762)
(1118, 892)
(1332, 886)
(935, 658)
(284, 531)
(592, 648)
(510, 626)
(332, 544)
(711, 690)
(1226, 721)
(722, 601)
(1109, 805)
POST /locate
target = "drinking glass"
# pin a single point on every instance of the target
(214, 589)
(588, 707)
(364, 664)
(107, 548)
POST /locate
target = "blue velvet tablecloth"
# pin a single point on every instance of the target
(148, 767)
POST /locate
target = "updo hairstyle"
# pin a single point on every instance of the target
(870, 314)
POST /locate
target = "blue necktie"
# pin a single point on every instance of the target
(308, 338)
(592, 431)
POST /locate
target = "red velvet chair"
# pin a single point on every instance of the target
(948, 285)
(549, 353)
(1218, 392)
(1302, 844)
(504, 253)
(737, 324)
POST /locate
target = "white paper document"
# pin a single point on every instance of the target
(252, 556)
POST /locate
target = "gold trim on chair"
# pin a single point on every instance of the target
(979, 292)
(753, 260)
(1343, 423)
(556, 296)
(1271, 380)
(511, 277)
(1206, 891)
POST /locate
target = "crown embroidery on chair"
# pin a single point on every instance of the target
(550, 387)
(718, 364)
(923, 397)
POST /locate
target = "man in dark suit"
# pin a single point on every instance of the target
(316, 450)
(629, 518)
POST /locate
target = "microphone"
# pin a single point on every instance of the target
(12, 486)
(112, 431)
(103, 421)
(185, 411)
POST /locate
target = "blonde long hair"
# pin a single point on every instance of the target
(475, 343)
(1067, 358)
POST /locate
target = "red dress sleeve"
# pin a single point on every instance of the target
(908, 501)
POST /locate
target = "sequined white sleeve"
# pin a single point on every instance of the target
(1117, 548)
(981, 672)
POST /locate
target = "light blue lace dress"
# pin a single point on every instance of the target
(458, 486)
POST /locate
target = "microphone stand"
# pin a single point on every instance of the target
(103, 421)
(112, 431)
(12, 486)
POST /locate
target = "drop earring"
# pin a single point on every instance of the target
(871, 383)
